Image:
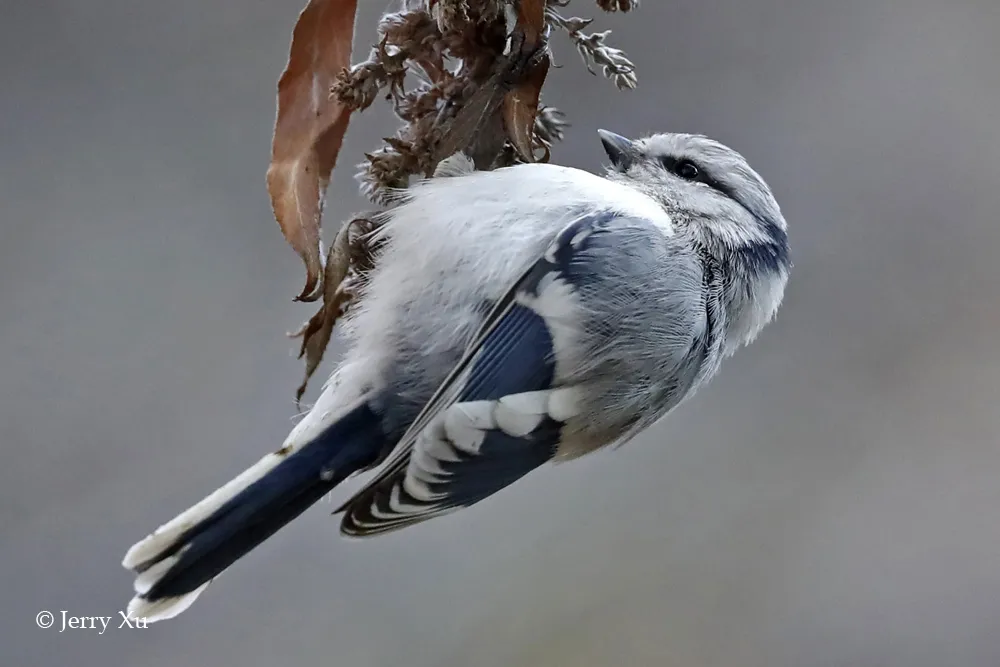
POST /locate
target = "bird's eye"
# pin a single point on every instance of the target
(686, 169)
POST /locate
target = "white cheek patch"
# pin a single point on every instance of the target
(758, 310)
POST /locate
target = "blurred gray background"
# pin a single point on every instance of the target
(830, 500)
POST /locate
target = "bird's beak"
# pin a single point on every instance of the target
(618, 148)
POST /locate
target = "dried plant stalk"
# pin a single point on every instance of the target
(463, 76)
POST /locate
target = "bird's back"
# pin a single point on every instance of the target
(454, 247)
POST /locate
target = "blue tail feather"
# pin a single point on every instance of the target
(264, 506)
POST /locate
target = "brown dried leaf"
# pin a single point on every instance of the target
(531, 20)
(520, 105)
(309, 129)
(348, 252)
(317, 331)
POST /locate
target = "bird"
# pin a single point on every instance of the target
(514, 317)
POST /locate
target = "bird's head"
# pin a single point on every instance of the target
(712, 193)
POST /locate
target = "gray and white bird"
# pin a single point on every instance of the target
(515, 317)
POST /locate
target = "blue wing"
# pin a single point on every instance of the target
(499, 415)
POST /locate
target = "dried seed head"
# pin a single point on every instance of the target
(618, 5)
(442, 65)
(550, 125)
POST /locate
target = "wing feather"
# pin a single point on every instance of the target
(500, 413)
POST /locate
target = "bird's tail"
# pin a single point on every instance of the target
(176, 562)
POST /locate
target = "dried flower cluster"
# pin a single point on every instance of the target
(452, 48)
(462, 75)
(617, 5)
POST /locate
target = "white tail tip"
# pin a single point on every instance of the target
(160, 610)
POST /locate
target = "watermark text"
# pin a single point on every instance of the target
(62, 620)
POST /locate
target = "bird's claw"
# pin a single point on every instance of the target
(521, 57)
